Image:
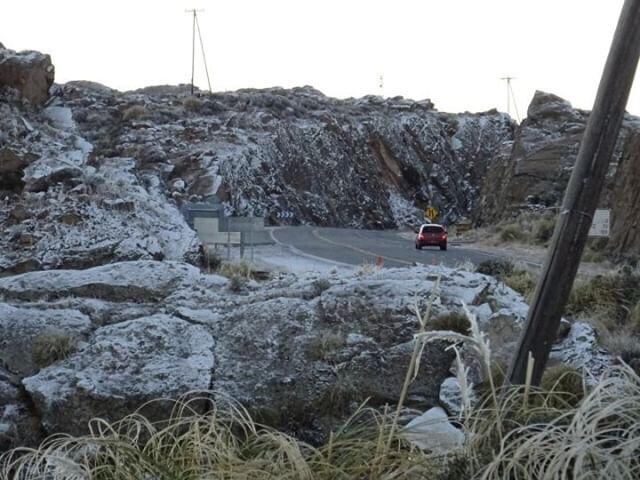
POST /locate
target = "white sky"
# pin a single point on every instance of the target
(452, 51)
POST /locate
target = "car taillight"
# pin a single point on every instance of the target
(421, 237)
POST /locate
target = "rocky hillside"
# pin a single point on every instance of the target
(361, 162)
(300, 351)
(532, 172)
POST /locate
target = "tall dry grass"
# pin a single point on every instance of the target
(511, 433)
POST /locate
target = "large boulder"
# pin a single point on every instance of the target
(25, 330)
(141, 281)
(19, 426)
(534, 169)
(121, 368)
(31, 73)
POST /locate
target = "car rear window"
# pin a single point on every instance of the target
(432, 229)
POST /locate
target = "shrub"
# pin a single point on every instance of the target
(192, 104)
(232, 269)
(338, 397)
(52, 347)
(592, 256)
(544, 229)
(317, 287)
(237, 283)
(512, 232)
(212, 259)
(496, 267)
(134, 112)
(565, 381)
(610, 295)
(453, 321)
(522, 281)
(623, 345)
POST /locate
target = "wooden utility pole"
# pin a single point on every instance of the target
(196, 26)
(511, 96)
(581, 198)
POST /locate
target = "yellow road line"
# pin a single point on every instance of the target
(359, 250)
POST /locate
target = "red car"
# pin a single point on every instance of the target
(432, 234)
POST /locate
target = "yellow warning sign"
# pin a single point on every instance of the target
(431, 213)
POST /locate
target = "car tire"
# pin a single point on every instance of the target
(443, 247)
(418, 247)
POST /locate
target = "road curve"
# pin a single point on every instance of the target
(357, 247)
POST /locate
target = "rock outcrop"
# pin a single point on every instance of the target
(30, 73)
(122, 365)
(533, 171)
(301, 352)
(61, 209)
(369, 162)
(625, 198)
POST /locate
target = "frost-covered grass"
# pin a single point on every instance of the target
(564, 430)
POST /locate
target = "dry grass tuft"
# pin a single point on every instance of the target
(52, 347)
(224, 442)
(598, 439)
(325, 344)
(522, 281)
(453, 321)
(561, 431)
(613, 296)
(134, 112)
(192, 104)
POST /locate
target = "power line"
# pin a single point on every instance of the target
(196, 27)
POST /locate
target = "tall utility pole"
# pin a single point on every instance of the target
(511, 96)
(580, 200)
(196, 27)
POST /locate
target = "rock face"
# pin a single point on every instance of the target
(362, 162)
(301, 352)
(61, 209)
(534, 170)
(22, 328)
(99, 176)
(31, 73)
(123, 365)
(625, 198)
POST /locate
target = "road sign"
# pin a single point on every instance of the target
(600, 224)
(241, 224)
(431, 213)
(284, 214)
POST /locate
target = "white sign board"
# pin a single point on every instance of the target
(600, 225)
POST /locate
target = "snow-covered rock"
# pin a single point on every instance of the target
(121, 367)
(268, 151)
(581, 350)
(31, 73)
(141, 281)
(433, 431)
(301, 356)
(18, 424)
(22, 328)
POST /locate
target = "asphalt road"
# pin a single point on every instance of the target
(357, 247)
